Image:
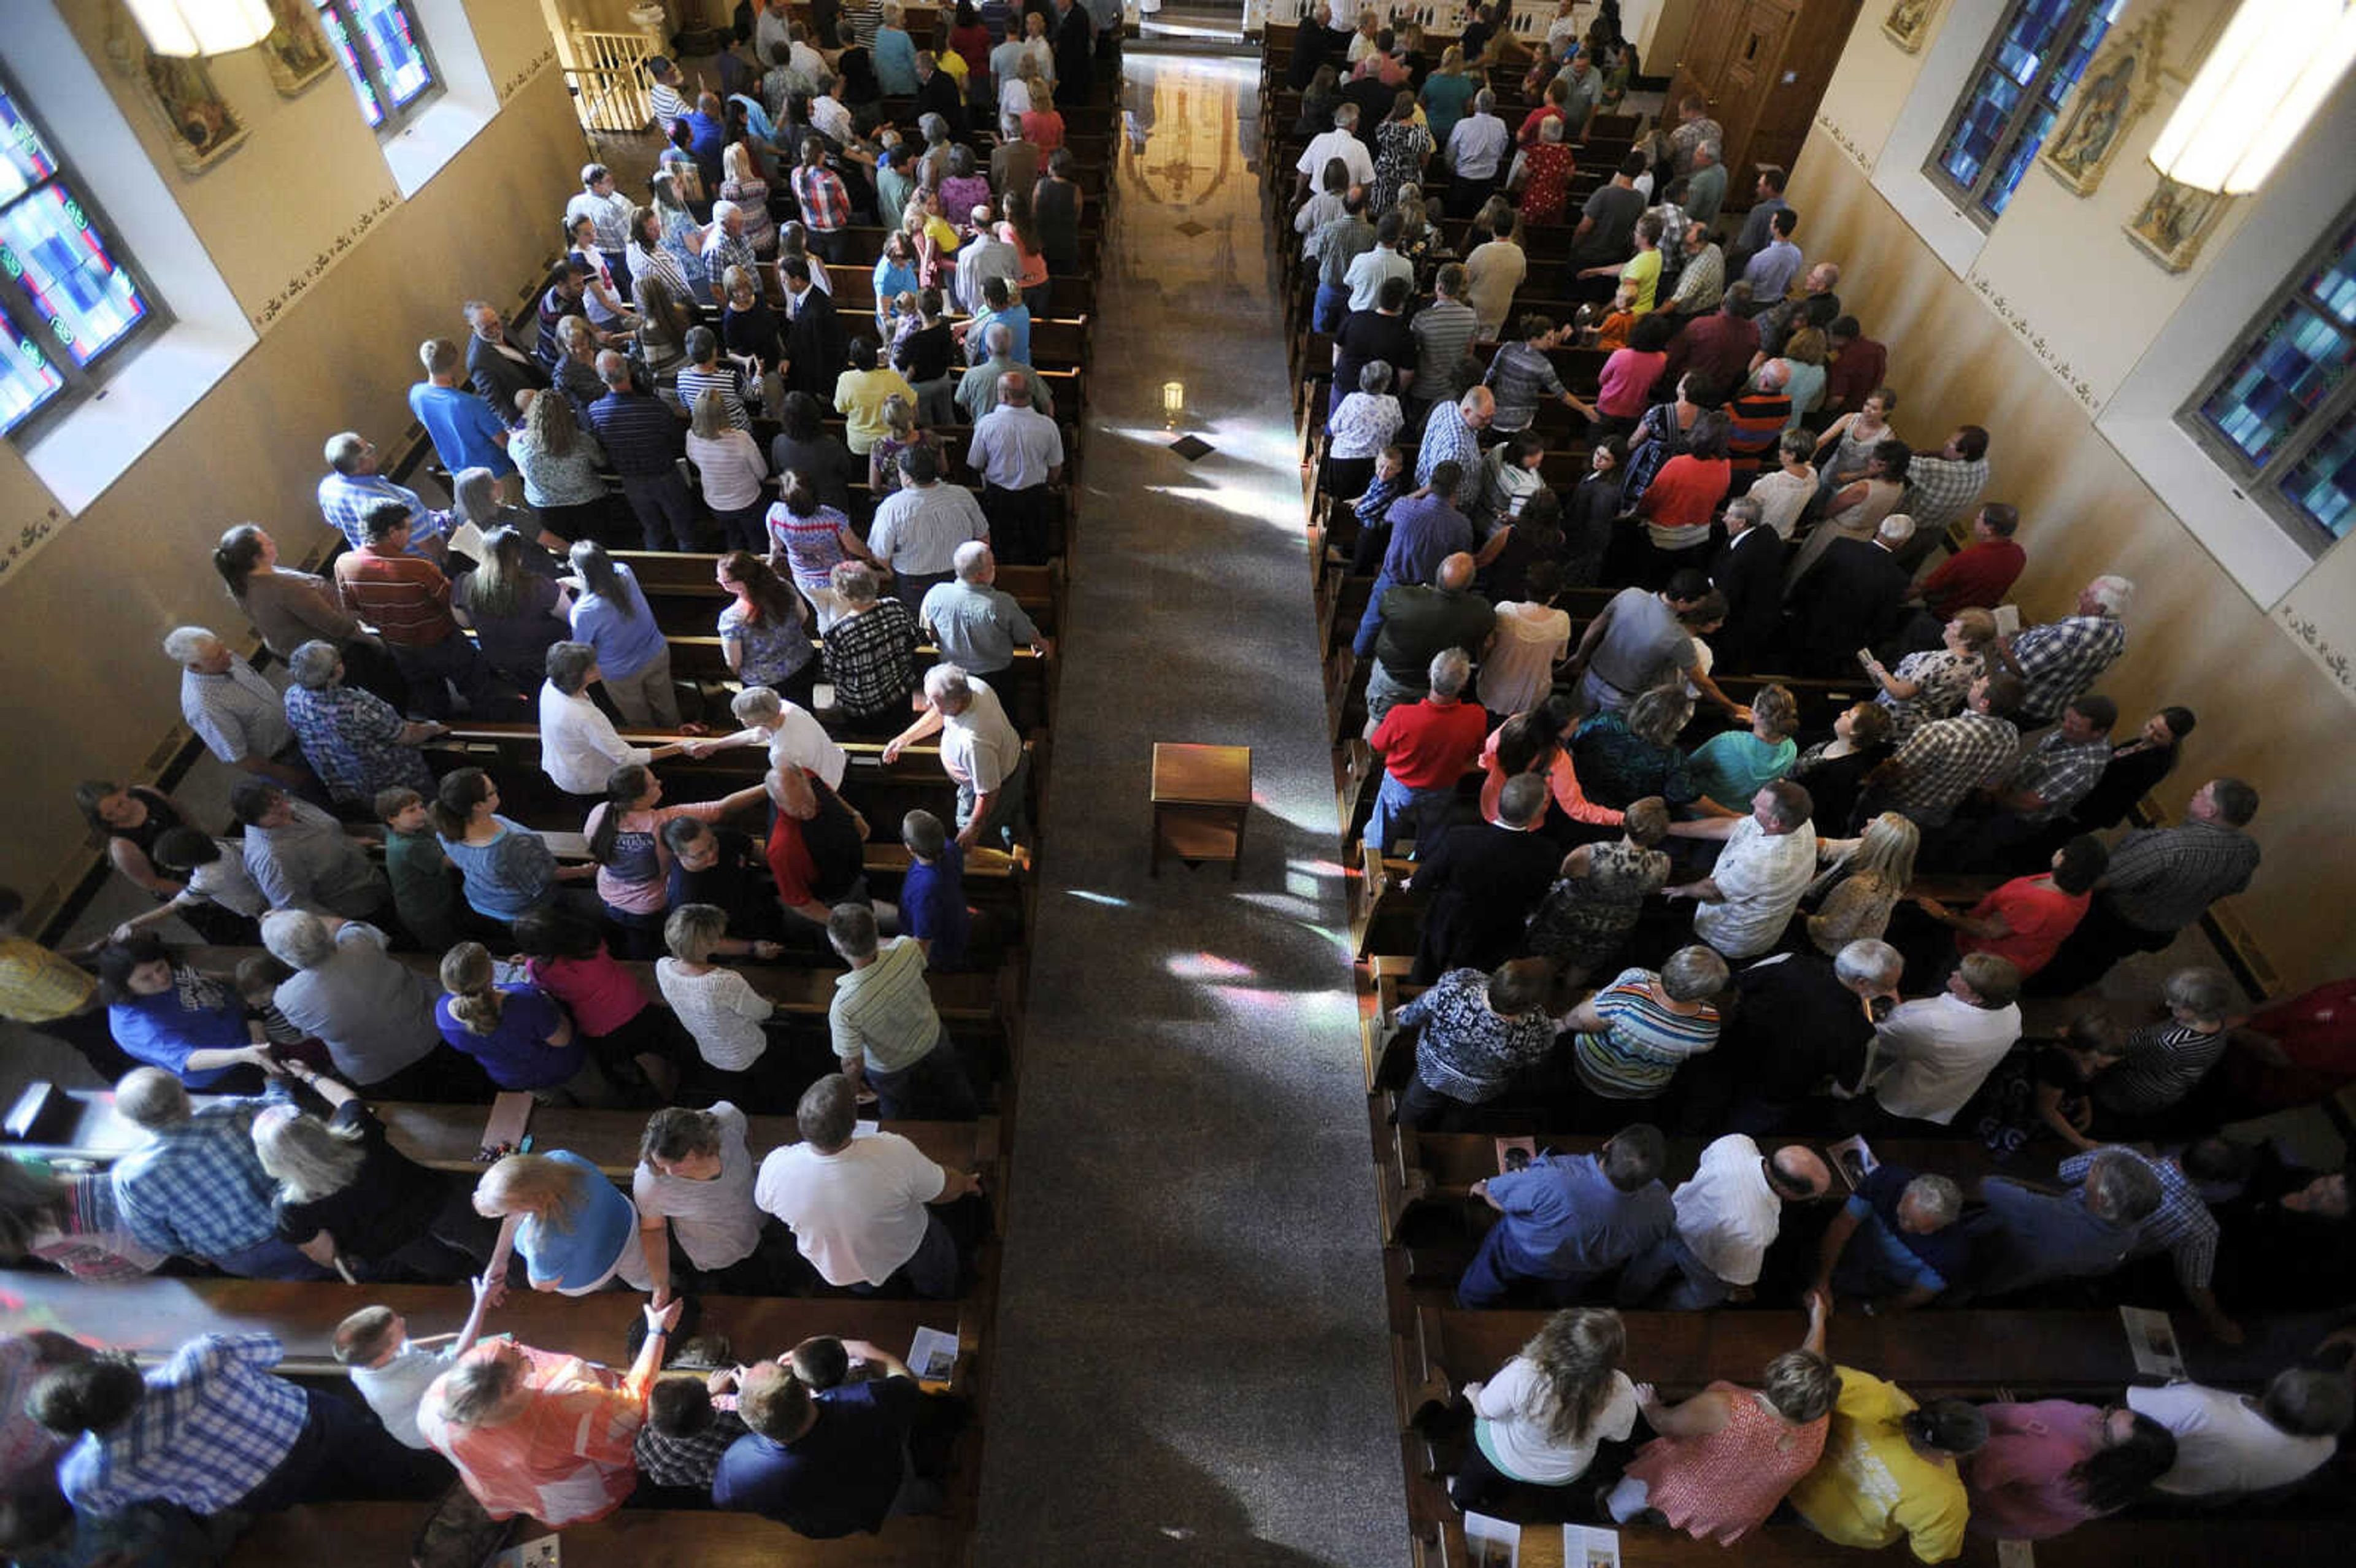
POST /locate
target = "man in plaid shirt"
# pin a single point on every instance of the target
(2049, 779)
(212, 1430)
(825, 203)
(355, 489)
(2161, 880)
(1945, 760)
(196, 1187)
(1939, 491)
(2061, 658)
(690, 1422)
(724, 246)
(2181, 1227)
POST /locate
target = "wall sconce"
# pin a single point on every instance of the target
(1174, 401)
(186, 28)
(2262, 83)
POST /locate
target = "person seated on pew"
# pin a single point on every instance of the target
(2229, 1446)
(1480, 882)
(1476, 1032)
(2163, 1062)
(861, 1208)
(179, 1018)
(1569, 1222)
(1769, 858)
(392, 1370)
(691, 1422)
(1931, 1054)
(694, 1182)
(1889, 1469)
(213, 1431)
(575, 1231)
(519, 1033)
(887, 1034)
(1425, 748)
(301, 858)
(830, 1463)
(1896, 1243)
(2049, 1466)
(2038, 1237)
(533, 1432)
(1728, 1214)
(1724, 1458)
(373, 1013)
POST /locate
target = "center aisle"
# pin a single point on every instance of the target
(1191, 1333)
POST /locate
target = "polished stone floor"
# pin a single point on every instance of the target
(1190, 1364)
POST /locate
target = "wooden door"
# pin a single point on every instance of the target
(1752, 66)
(1701, 61)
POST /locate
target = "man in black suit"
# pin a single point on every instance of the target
(497, 368)
(1482, 882)
(1748, 570)
(1853, 598)
(1075, 55)
(937, 93)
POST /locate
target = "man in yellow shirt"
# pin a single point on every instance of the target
(48, 993)
(1889, 1469)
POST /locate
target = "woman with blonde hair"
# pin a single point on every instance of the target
(562, 465)
(352, 1202)
(729, 464)
(900, 434)
(574, 1229)
(519, 1033)
(667, 315)
(1538, 1422)
(743, 186)
(717, 1007)
(1445, 93)
(1735, 764)
(575, 371)
(1866, 876)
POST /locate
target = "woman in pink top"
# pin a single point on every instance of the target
(625, 833)
(639, 1044)
(2049, 1466)
(1533, 743)
(1626, 383)
(1725, 1457)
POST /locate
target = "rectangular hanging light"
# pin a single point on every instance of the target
(186, 28)
(2260, 84)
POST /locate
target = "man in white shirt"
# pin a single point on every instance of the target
(787, 729)
(1342, 142)
(2228, 1443)
(579, 748)
(694, 1181)
(1940, 1049)
(1476, 148)
(1728, 1216)
(918, 528)
(1019, 452)
(858, 1207)
(240, 717)
(1371, 270)
(981, 749)
(1744, 905)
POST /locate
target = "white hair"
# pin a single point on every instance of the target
(1895, 529)
(2114, 595)
(946, 683)
(182, 643)
(969, 560)
(1451, 668)
(298, 938)
(313, 664)
(1868, 962)
(723, 210)
(1941, 1201)
(756, 705)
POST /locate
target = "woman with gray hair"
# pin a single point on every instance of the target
(1623, 755)
(1635, 1032)
(870, 654)
(720, 1008)
(374, 1013)
(355, 740)
(1360, 426)
(348, 1200)
(476, 498)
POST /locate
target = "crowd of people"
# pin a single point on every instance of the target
(1793, 917)
(413, 936)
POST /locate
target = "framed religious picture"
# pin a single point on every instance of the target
(294, 50)
(198, 121)
(1909, 24)
(2118, 86)
(2176, 220)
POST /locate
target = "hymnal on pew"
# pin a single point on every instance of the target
(1492, 1542)
(1508, 1149)
(1586, 1546)
(2152, 1339)
(1853, 1159)
(933, 1358)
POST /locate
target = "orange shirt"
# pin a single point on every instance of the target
(566, 1459)
(405, 598)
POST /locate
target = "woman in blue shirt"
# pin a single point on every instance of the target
(633, 659)
(506, 868)
(894, 54)
(520, 1034)
(574, 1229)
(169, 1016)
(1731, 767)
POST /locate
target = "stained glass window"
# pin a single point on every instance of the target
(383, 58)
(2280, 414)
(66, 298)
(2015, 95)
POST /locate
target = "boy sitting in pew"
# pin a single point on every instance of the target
(392, 1370)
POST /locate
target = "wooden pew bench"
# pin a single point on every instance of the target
(2106, 1543)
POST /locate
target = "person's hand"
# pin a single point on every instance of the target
(893, 748)
(866, 1097)
(1819, 1303)
(699, 749)
(723, 1381)
(1481, 1188)
(1927, 905)
(492, 1288)
(663, 1319)
(1647, 1396)
(2226, 1330)
(862, 1351)
(1739, 713)
(693, 730)
(769, 950)
(661, 1296)
(123, 933)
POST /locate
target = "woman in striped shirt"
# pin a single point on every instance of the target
(1633, 1033)
(705, 371)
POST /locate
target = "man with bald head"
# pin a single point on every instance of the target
(645, 440)
(1452, 433)
(1728, 1214)
(978, 390)
(976, 627)
(1414, 622)
(1019, 452)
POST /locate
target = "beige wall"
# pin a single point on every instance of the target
(2057, 290)
(79, 666)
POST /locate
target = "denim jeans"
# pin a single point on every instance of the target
(1400, 812)
(1697, 1287)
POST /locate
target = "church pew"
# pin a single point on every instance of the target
(685, 593)
(2106, 1543)
(377, 1535)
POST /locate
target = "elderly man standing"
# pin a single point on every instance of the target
(1896, 1243)
(1705, 184)
(1941, 487)
(2059, 659)
(354, 489)
(1934, 1053)
(1342, 142)
(2037, 1237)
(356, 741)
(979, 390)
(237, 714)
(1853, 597)
(301, 858)
(195, 1187)
(1567, 1222)
(1452, 433)
(919, 527)
(1019, 452)
(976, 625)
(1480, 882)
(499, 370)
(1798, 1024)
(981, 750)
(374, 1013)
(645, 441)
(1477, 150)
(1425, 747)
(1768, 862)
(2160, 880)
(407, 599)
(860, 1209)
(1415, 624)
(1701, 281)
(1728, 1216)
(887, 1034)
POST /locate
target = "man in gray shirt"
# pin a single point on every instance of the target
(1642, 639)
(1443, 332)
(301, 858)
(918, 528)
(985, 256)
(1019, 452)
(976, 390)
(974, 625)
(374, 1013)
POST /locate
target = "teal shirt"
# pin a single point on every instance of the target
(1730, 768)
(1444, 98)
(422, 893)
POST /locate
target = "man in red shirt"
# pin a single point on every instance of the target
(816, 847)
(2026, 919)
(407, 599)
(1426, 747)
(1717, 347)
(2297, 1051)
(1978, 576)
(1860, 366)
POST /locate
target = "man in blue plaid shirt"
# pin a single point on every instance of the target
(196, 1187)
(212, 1429)
(2061, 658)
(354, 489)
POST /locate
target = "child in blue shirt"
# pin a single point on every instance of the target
(932, 896)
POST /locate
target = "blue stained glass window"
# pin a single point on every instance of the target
(27, 379)
(339, 37)
(2017, 94)
(382, 56)
(48, 244)
(25, 158)
(2322, 485)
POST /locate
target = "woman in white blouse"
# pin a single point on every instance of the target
(1539, 1421)
(719, 1008)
